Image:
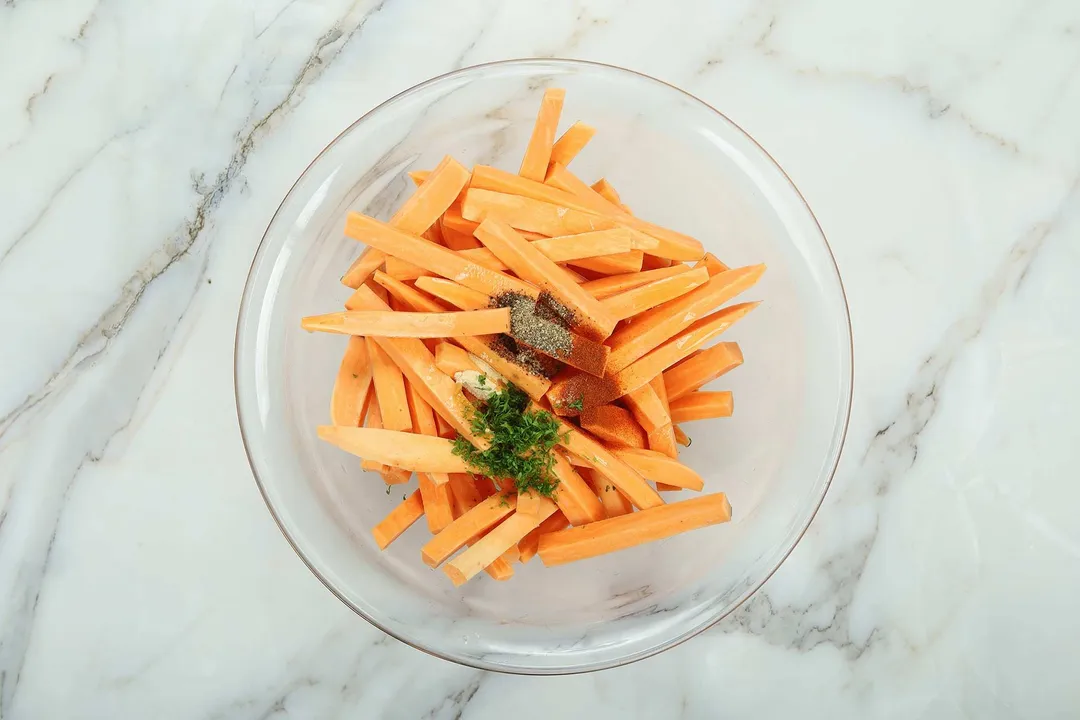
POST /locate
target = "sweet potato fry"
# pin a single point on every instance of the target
(525, 213)
(349, 400)
(658, 466)
(701, 368)
(454, 293)
(429, 256)
(617, 264)
(606, 287)
(662, 438)
(647, 407)
(451, 359)
(383, 323)
(399, 520)
(679, 347)
(614, 426)
(636, 301)
(613, 501)
(710, 263)
(607, 191)
(438, 191)
(570, 143)
(406, 450)
(531, 264)
(626, 531)
(423, 421)
(497, 541)
(681, 437)
(538, 152)
(529, 544)
(702, 405)
(655, 326)
(390, 475)
(437, 502)
(389, 388)
(474, 522)
(529, 502)
(574, 497)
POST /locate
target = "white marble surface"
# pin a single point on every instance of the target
(143, 149)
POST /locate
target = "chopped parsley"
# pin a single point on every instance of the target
(482, 381)
(522, 442)
(577, 404)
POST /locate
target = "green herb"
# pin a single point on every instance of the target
(522, 442)
(387, 489)
(404, 498)
(504, 501)
(482, 381)
(689, 441)
(607, 488)
(354, 376)
(578, 404)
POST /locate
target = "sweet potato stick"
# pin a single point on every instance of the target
(529, 502)
(418, 364)
(398, 521)
(618, 264)
(681, 437)
(613, 501)
(381, 323)
(349, 400)
(570, 143)
(474, 522)
(657, 466)
(530, 264)
(434, 258)
(606, 287)
(390, 475)
(614, 426)
(525, 213)
(627, 531)
(662, 439)
(439, 189)
(646, 297)
(534, 385)
(607, 191)
(497, 541)
(530, 544)
(457, 295)
(647, 407)
(678, 347)
(710, 263)
(538, 152)
(702, 405)
(389, 388)
(653, 327)
(451, 359)
(619, 473)
(437, 502)
(423, 420)
(409, 451)
(574, 496)
(701, 368)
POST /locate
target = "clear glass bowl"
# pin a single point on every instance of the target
(677, 162)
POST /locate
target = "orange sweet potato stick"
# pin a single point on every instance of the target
(538, 152)
(497, 541)
(617, 264)
(419, 176)
(655, 326)
(349, 400)
(607, 191)
(662, 439)
(418, 364)
(629, 482)
(681, 437)
(530, 264)
(534, 385)
(655, 465)
(474, 522)
(614, 426)
(570, 143)
(647, 407)
(627, 531)
(679, 347)
(529, 502)
(525, 213)
(613, 501)
(434, 258)
(530, 544)
(399, 520)
(606, 287)
(390, 475)
(423, 420)
(636, 301)
(574, 497)
(389, 388)
(672, 245)
(463, 486)
(456, 294)
(701, 368)
(398, 268)
(438, 503)
(451, 359)
(385, 323)
(438, 191)
(701, 405)
(405, 450)
(710, 263)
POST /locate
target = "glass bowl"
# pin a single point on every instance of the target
(677, 162)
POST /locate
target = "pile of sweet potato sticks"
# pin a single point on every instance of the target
(636, 306)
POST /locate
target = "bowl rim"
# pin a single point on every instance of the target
(662, 647)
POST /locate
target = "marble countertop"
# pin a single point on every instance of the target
(143, 149)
